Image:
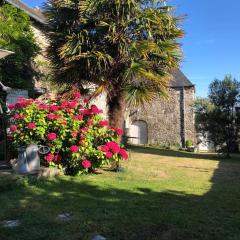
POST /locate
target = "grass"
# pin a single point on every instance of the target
(161, 195)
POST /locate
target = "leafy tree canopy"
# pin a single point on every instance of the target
(16, 35)
(128, 48)
(218, 116)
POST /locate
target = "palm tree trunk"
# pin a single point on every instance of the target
(116, 109)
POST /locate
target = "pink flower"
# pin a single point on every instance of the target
(31, 125)
(13, 128)
(82, 137)
(103, 123)
(51, 116)
(109, 154)
(95, 109)
(104, 148)
(54, 108)
(16, 116)
(74, 148)
(64, 104)
(86, 164)
(74, 133)
(123, 153)
(52, 136)
(73, 103)
(77, 95)
(11, 106)
(85, 111)
(57, 158)
(89, 123)
(113, 146)
(42, 106)
(49, 157)
(81, 142)
(119, 131)
(84, 129)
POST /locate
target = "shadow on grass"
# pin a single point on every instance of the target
(180, 154)
(120, 214)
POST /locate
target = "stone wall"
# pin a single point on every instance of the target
(163, 118)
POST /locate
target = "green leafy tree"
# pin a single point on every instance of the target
(219, 116)
(127, 48)
(16, 35)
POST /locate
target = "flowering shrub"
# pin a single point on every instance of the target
(79, 139)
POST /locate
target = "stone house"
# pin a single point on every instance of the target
(165, 121)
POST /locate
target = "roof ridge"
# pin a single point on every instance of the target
(36, 15)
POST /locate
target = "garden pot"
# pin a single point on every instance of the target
(28, 160)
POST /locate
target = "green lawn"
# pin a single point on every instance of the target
(162, 194)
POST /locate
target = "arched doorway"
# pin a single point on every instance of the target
(138, 132)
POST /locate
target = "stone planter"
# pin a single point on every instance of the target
(28, 160)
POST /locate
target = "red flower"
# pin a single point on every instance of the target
(77, 95)
(103, 123)
(73, 103)
(64, 123)
(82, 137)
(74, 148)
(11, 106)
(119, 131)
(57, 158)
(113, 146)
(77, 117)
(31, 125)
(64, 104)
(54, 108)
(109, 154)
(42, 106)
(84, 129)
(89, 123)
(52, 136)
(104, 148)
(85, 111)
(86, 164)
(13, 128)
(95, 109)
(123, 153)
(51, 116)
(49, 157)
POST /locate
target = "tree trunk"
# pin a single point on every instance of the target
(116, 110)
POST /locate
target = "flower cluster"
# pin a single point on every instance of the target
(78, 138)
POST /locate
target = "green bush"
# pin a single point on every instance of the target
(79, 139)
(189, 143)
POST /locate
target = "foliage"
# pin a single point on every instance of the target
(128, 48)
(16, 35)
(189, 144)
(218, 116)
(78, 138)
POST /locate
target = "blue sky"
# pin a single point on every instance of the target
(211, 45)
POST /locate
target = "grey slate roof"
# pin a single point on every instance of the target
(180, 80)
(35, 14)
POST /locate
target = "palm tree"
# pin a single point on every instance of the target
(128, 48)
